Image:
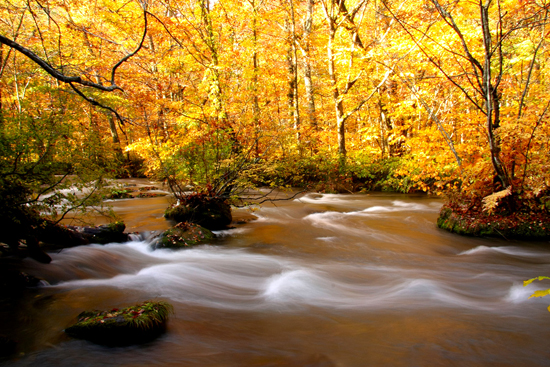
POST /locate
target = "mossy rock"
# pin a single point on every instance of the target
(107, 233)
(131, 325)
(12, 281)
(517, 225)
(211, 213)
(150, 194)
(183, 235)
(120, 194)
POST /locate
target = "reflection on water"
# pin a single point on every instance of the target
(324, 280)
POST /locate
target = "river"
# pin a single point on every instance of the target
(322, 280)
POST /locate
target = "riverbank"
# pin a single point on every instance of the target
(522, 221)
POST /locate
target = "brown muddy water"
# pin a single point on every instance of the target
(323, 280)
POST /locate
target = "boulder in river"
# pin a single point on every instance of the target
(106, 233)
(209, 212)
(519, 224)
(118, 327)
(183, 235)
(14, 281)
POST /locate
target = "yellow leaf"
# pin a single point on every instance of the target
(540, 293)
(529, 281)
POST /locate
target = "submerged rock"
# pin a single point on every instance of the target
(133, 193)
(132, 325)
(107, 233)
(14, 281)
(182, 235)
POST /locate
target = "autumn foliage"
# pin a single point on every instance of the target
(408, 96)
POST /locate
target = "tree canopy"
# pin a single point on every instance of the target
(416, 95)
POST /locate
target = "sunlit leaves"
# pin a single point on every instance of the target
(539, 293)
(190, 82)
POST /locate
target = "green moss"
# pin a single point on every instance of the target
(130, 325)
(119, 194)
(209, 212)
(118, 227)
(472, 222)
(184, 234)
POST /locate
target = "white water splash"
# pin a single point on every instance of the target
(520, 294)
(235, 279)
(324, 199)
(340, 223)
(231, 232)
(507, 250)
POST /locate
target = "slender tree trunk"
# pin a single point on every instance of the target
(336, 97)
(255, 73)
(115, 137)
(385, 125)
(291, 82)
(336, 14)
(215, 94)
(308, 82)
(491, 95)
(292, 70)
(294, 61)
(16, 84)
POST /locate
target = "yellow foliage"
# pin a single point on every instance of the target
(491, 202)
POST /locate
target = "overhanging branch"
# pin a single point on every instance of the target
(46, 66)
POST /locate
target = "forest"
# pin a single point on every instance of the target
(389, 123)
(435, 96)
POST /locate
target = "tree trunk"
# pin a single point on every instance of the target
(255, 73)
(491, 96)
(115, 137)
(336, 97)
(308, 82)
(385, 125)
(292, 62)
(215, 94)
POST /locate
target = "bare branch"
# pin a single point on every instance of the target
(435, 119)
(539, 120)
(431, 59)
(46, 66)
(125, 58)
(93, 102)
(451, 22)
(529, 73)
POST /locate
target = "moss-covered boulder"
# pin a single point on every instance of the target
(120, 194)
(471, 220)
(183, 235)
(117, 327)
(209, 212)
(131, 193)
(107, 233)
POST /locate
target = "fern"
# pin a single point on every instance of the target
(491, 202)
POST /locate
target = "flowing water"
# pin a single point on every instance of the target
(325, 280)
